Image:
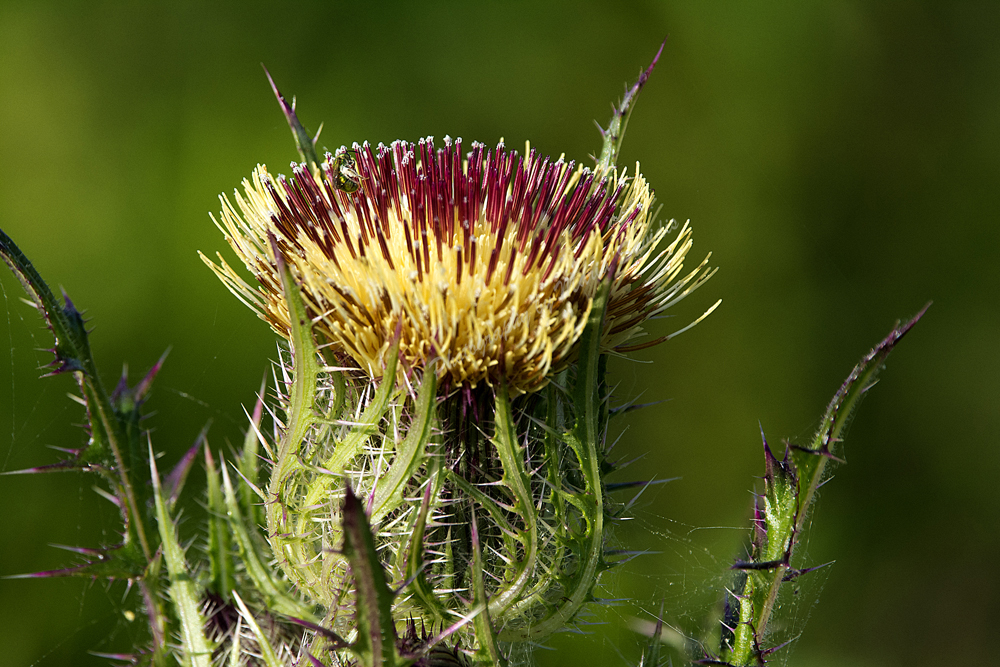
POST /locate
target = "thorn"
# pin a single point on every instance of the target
(823, 451)
(794, 574)
(124, 657)
(52, 467)
(110, 497)
(618, 486)
(630, 552)
(773, 649)
(337, 640)
(635, 498)
(253, 487)
(258, 408)
(63, 366)
(775, 470)
(762, 565)
(452, 629)
(174, 481)
(50, 574)
(303, 142)
(643, 346)
(630, 555)
(141, 389)
(71, 310)
(288, 110)
(121, 389)
(629, 407)
(66, 450)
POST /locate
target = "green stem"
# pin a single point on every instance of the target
(72, 349)
(789, 490)
(515, 478)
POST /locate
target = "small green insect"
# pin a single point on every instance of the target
(344, 171)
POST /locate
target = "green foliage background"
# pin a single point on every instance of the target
(839, 159)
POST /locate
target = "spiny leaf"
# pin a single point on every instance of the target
(303, 142)
(272, 589)
(615, 132)
(485, 634)
(114, 449)
(184, 592)
(376, 642)
(780, 514)
(515, 477)
(72, 349)
(248, 463)
(301, 417)
(220, 554)
(303, 391)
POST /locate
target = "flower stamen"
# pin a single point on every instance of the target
(488, 262)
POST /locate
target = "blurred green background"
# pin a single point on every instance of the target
(840, 160)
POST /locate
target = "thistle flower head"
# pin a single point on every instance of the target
(487, 261)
